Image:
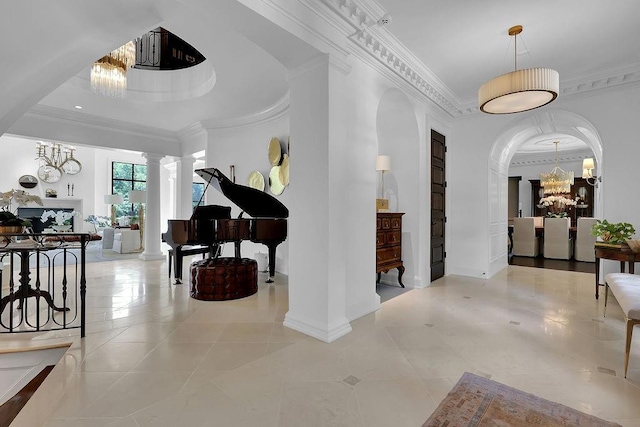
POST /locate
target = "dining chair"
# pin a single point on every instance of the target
(557, 242)
(538, 221)
(525, 242)
(585, 240)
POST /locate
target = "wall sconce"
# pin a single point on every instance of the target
(383, 164)
(588, 166)
(113, 200)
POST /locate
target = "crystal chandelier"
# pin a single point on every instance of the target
(109, 73)
(557, 181)
(56, 159)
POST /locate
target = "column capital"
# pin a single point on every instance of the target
(153, 157)
(187, 159)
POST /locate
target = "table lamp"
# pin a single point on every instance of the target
(383, 164)
(113, 200)
(139, 197)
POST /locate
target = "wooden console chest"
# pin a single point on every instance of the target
(389, 243)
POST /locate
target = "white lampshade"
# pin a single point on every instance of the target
(137, 196)
(518, 91)
(383, 163)
(588, 163)
(113, 199)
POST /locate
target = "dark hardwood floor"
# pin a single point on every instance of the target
(554, 264)
(9, 410)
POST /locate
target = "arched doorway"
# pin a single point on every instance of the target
(399, 137)
(506, 145)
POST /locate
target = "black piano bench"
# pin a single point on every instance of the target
(220, 279)
(186, 251)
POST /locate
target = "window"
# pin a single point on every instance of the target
(197, 190)
(125, 177)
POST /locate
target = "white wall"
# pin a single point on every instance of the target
(247, 149)
(614, 115)
(89, 186)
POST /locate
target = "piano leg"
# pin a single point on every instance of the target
(272, 262)
(177, 264)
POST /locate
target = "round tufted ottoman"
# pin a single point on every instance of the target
(219, 279)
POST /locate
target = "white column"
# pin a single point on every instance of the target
(184, 175)
(318, 233)
(152, 232)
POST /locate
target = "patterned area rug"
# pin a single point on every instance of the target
(477, 401)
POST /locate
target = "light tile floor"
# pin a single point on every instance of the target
(154, 356)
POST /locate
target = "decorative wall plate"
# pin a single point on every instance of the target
(28, 181)
(50, 174)
(275, 185)
(275, 152)
(284, 170)
(256, 180)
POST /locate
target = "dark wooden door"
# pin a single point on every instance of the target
(438, 219)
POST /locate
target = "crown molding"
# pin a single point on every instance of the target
(276, 111)
(99, 123)
(548, 158)
(615, 77)
(190, 131)
(359, 19)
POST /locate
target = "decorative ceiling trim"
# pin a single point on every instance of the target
(548, 158)
(390, 53)
(617, 77)
(59, 114)
(276, 111)
(361, 16)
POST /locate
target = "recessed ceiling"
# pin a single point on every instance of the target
(238, 79)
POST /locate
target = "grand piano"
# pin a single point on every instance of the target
(211, 225)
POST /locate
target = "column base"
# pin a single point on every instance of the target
(326, 333)
(147, 256)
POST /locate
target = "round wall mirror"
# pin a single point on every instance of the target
(275, 151)
(28, 181)
(256, 180)
(284, 170)
(275, 185)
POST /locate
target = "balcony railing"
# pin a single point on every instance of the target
(43, 282)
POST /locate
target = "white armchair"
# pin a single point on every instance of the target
(557, 244)
(525, 242)
(126, 241)
(585, 240)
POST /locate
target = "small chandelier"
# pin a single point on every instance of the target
(56, 159)
(519, 90)
(557, 181)
(109, 73)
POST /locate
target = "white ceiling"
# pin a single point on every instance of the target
(464, 42)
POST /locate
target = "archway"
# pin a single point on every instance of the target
(399, 138)
(502, 151)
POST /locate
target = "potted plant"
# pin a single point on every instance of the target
(62, 219)
(10, 220)
(616, 233)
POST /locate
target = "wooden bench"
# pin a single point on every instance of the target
(626, 288)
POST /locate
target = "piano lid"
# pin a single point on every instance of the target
(254, 202)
